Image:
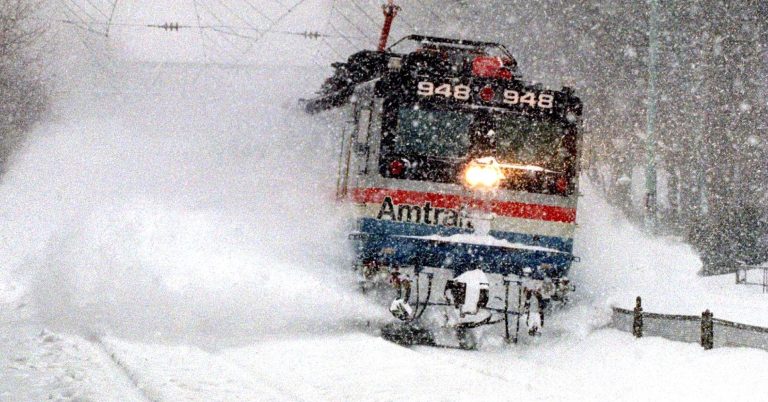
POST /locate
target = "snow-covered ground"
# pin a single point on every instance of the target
(186, 247)
(619, 263)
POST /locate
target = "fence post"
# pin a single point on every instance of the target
(707, 330)
(637, 323)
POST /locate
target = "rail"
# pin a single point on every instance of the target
(705, 330)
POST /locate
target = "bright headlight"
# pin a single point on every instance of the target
(483, 174)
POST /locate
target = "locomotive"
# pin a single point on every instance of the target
(463, 178)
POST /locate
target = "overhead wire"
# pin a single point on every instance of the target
(229, 31)
(83, 24)
(324, 40)
(236, 15)
(346, 18)
(81, 19)
(200, 29)
(232, 33)
(261, 13)
(84, 41)
(404, 19)
(280, 3)
(274, 24)
(111, 17)
(325, 28)
(203, 45)
(96, 8)
(333, 49)
(69, 9)
(341, 35)
(83, 27)
(84, 11)
(220, 28)
(362, 11)
(212, 14)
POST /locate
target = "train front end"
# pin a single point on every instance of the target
(466, 166)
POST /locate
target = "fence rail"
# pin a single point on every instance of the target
(705, 330)
(743, 271)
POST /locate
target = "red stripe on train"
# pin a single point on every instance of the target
(450, 201)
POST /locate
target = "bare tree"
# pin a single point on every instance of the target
(22, 92)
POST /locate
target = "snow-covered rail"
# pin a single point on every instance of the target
(690, 328)
(125, 370)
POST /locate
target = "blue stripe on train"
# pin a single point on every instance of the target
(387, 227)
(383, 240)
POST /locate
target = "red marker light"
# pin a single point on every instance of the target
(491, 67)
(487, 94)
(561, 184)
(396, 167)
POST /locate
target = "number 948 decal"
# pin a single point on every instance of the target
(463, 92)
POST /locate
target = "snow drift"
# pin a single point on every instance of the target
(620, 262)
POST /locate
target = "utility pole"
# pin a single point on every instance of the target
(650, 142)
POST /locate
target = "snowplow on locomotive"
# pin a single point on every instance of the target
(463, 178)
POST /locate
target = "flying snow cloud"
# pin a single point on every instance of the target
(177, 190)
(206, 209)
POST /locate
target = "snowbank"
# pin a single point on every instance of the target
(606, 365)
(620, 262)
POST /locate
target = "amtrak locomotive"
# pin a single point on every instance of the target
(463, 180)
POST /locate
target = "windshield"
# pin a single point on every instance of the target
(515, 139)
(435, 133)
(434, 144)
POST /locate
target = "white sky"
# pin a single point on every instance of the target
(141, 43)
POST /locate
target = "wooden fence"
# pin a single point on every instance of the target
(705, 330)
(742, 274)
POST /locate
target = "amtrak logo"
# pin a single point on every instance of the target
(423, 214)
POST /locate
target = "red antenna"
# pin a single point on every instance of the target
(390, 11)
